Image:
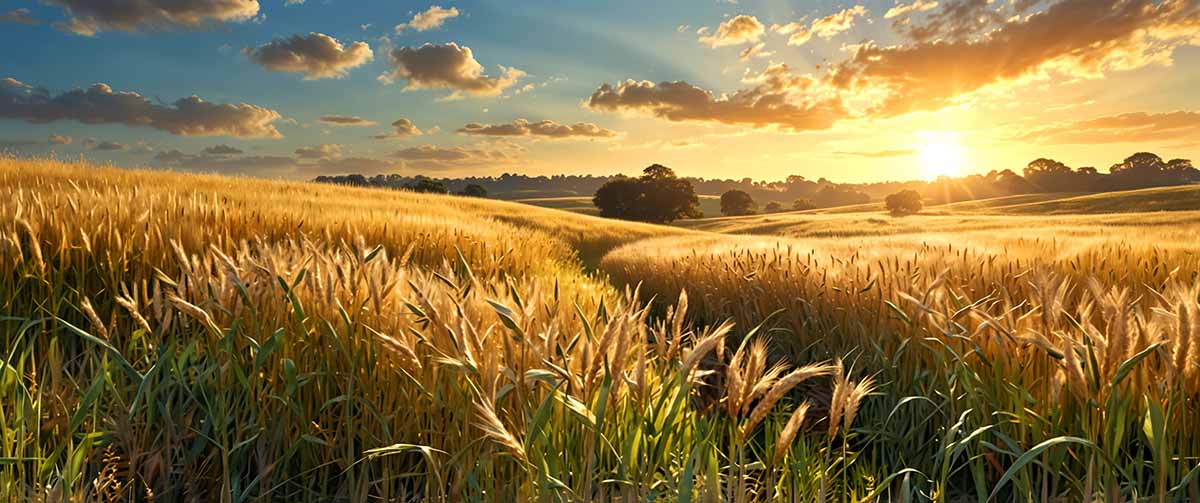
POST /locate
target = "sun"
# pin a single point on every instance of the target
(941, 155)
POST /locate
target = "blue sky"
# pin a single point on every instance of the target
(1137, 92)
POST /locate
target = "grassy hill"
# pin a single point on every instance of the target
(179, 337)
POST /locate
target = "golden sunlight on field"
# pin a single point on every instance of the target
(171, 336)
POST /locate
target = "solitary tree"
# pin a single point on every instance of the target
(658, 196)
(736, 202)
(773, 207)
(905, 202)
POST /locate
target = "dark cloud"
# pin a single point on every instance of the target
(108, 146)
(222, 149)
(346, 120)
(1133, 127)
(316, 55)
(99, 104)
(446, 66)
(740, 29)
(88, 17)
(439, 157)
(18, 16)
(541, 129)
(310, 161)
(951, 55)
(401, 128)
(324, 151)
(777, 99)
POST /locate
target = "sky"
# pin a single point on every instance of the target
(850, 91)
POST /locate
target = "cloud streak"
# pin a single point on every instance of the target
(777, 99)
(99, 104)
(547, 129)
(88, 17)
(431, 18)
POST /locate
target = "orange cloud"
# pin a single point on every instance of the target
(1073, 37)
(737, 30)
(776, 99)
(541, 129)
(433, 17)
(826, 27)
(401, 128)
(1133, 127)
(346, 120)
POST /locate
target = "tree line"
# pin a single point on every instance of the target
(625, 197)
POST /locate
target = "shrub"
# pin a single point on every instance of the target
(905, 202)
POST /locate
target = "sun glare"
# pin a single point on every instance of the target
(941, 155)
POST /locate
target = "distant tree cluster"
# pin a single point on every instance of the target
(420, 184)
(1138, 171)
(657, 196)
(1141, 170)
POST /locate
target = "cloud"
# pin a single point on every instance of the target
(1078, 38)
(1132, 127)
(323, 151)
(18, 16)
(755, 51)
(740, 29)
(346, 120)
(778, 98)
(877, 154)
(349, 165)
(433, 17)
(826, 27)
(108, 146)
(274, 165)
(222, 149)
(99, 104)
(58, 139)
(88, 17)
(446, 66)
(316, 55)
(439, 157)
(401, 128)
(541, 129)
(902, 9)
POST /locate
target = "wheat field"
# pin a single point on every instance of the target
(175, 337)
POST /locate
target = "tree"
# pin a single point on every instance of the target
(803, 204)
(773, 207)
(473, 190)
(905, 202)
(427, 185)
(658, 196)
(619, 198)
(736, 202)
